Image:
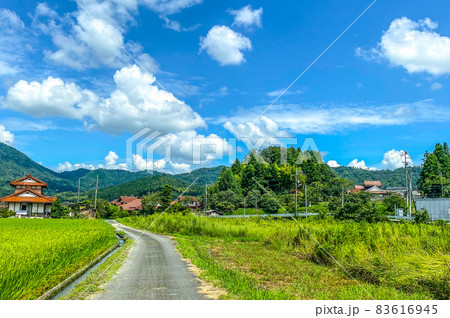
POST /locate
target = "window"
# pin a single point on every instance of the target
(23, 207)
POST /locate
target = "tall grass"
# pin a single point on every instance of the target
(406, 256)
(37, 254)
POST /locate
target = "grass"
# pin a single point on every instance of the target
(277, 259)
(38, 254)
(97, 280)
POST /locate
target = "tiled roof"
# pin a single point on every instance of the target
(39, 199)
(372, 183)
(37, 183)
(133, 205)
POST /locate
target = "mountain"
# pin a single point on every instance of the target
(389, 178)
(15, 165)
(112, 183)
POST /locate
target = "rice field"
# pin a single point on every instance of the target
(38, 254)
(278, 259)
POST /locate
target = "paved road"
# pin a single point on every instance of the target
(153, 270)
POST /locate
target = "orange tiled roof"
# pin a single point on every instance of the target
(372, 183)
(37, 183)
(39, 199)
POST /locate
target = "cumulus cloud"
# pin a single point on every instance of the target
(10, 22)
(333, 164)
(6, 137)
(395, 159)
(67, 166)
(247, 17)
(110, 164)
(263, 128)
(135, 103)
(359, 165)
(52, 97)
(225, 46)
(414, 45)
(326, 119)
(142, 164)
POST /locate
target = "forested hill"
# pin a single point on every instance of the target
(389, 178)
(15, 164)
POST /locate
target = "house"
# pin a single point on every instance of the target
(28, 198)
(373, 187)
(128, 203)
(188, 202)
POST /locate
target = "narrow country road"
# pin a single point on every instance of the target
(153, 270)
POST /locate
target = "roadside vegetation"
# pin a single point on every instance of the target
(38, 254)
(278, 259)
(97, 280)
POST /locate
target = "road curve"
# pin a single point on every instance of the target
(153, 270)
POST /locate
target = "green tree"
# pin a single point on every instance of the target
(166, 197)
(393, 201)
(268, 203)
(149, 203)
(253, 198)
(236, 167)
(421, 216)
(58, 210)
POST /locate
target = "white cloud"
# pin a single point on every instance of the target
(92, 36)
(136, 103)
(225, 46)
(263, 128)
(395, 159)
(184, 143)
(247, 17)
(110, 164)
(333, 164)
(14, 43)
(167, 7)
(142, 164)
(359, 165)
(280, 91)
(413, 45)
(10, 22)
(67, 166)
(180, 167)
(6, 137)
(19, 124)
(52, 97)
(435, 86)
(327, 119)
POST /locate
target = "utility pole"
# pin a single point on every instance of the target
(406, 178)
(206, 197)
(244, 205)
(410, 195)
(306, 199)
(342, 196)
(442, 187)
(95, 198)
(78, 200)
(296, 183)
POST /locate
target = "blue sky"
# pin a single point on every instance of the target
(78, 79)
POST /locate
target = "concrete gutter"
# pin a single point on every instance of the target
(48, 294)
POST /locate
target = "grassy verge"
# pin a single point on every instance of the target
(97, 280)
(275, 259)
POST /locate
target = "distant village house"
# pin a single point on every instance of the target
(373, 187)
(28, 199)
(128, 203)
